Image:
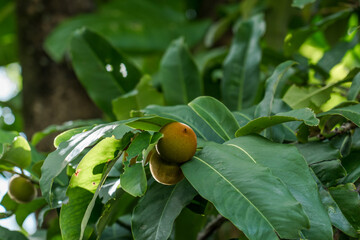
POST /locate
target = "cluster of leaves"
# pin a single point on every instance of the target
(278, 133)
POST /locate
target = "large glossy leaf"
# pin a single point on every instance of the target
(352, 113)
(179, 75)
(348, 200)
(355, 88)
(135, 26)
(185, 114)
(239, 185)
(280, 74)
(101, 69)
(241, 66)
(83, 185)
(156, 212)
(287, 164)
(216, 115)
(257, 125)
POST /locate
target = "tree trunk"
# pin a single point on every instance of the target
(51, 92)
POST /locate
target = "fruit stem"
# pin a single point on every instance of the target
(22, 174)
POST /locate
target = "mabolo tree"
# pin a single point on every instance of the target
(242, 127)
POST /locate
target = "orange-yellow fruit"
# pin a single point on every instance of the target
(178, 144)
(164, 172)
(21, 189)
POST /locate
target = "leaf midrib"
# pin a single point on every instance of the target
(237, 190)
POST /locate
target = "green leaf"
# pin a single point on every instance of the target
(242, 64)
(38, 136)
(355, 88)
(315, 152)
(335, 55)
(228, 168)
(24, 210)
(83, 185)
(66, 135)
(348, 200)
(156, 212)
(352, 113)
(329, 171)
(6, 234)
(133, 180)
(185, 114)
(143, 95)
(134, 26)
(259, 124)
(101, 69)
(352, 166)
(301, 3)
(289, 166)
(280, 74)
(69, 151)
(337, 217)
(19, 153)
(180, 77)
(313, 97)
(8, 33)
(296, 38)
(216, 115)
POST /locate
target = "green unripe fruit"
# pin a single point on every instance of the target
(164, 172)
(21, 189)
(178, 144)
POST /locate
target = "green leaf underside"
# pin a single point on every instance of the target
(351, 113)
(259, 124)
(216, 115)
(241, 66)
(180, 78)
(315, 152)
(156, 212)
(83, 185)
(234, 175)
(104, 72)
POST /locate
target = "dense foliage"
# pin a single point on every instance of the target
(270, 89)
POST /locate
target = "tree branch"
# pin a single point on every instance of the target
(211, 227)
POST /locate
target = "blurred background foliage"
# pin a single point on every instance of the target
(320, 35)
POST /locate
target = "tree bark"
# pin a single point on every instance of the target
(51, 92)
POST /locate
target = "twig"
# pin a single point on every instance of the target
(24, 176)
(211, 227)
